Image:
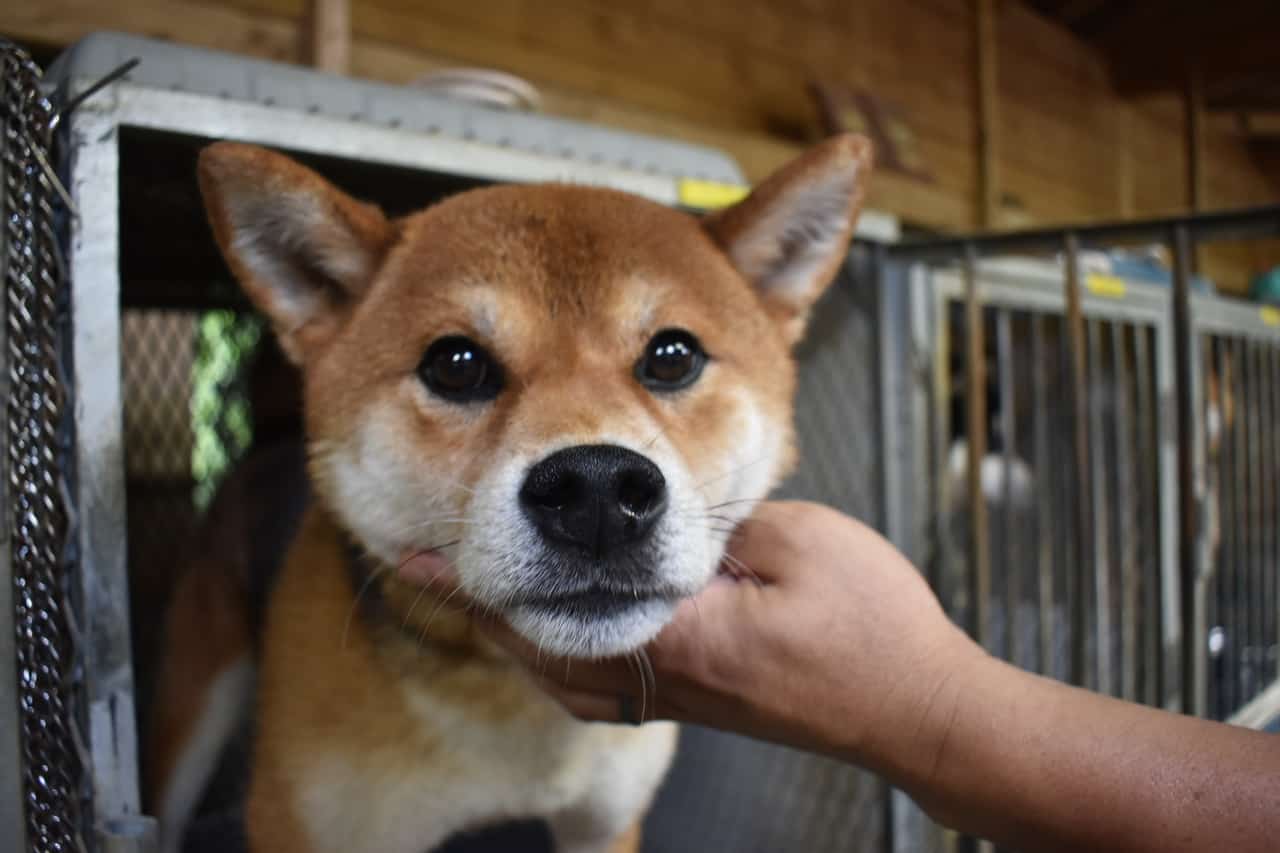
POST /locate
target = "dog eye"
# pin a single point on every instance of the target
(459, 370)
(672, 360)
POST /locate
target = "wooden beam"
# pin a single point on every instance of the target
(1193, 110)
(988, 98)
(1125, 205)
(328, 34)
(1253, 99)
(1193, 118)
(1261, 126)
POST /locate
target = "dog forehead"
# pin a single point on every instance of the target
(555, 241)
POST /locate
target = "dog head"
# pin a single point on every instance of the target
(575, 392)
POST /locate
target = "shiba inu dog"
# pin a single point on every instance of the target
(571, 392)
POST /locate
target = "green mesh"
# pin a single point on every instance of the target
(221, 419)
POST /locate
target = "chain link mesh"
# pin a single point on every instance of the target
(38, 426)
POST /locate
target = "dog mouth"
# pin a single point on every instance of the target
(596, 602)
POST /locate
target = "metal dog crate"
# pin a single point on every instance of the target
(1127, 536)
(125, 340)
(1023, 615)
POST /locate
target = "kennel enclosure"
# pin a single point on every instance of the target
(125, 341)
(1125, 536)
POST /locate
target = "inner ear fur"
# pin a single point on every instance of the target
(303, 250)
(789, 236)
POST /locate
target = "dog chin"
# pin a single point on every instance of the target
(591, 631)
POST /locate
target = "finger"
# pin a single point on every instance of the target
(585, 705)
(602, 707)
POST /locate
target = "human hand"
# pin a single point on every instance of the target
(826, 638)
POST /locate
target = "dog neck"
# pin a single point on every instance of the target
(398, 615)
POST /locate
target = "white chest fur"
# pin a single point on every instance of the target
(590, 781)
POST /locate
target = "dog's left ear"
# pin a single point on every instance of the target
(790, 235)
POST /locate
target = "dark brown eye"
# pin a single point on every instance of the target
(672, 360)
(459, 370)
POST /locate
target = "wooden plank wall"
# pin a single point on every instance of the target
(733, 73)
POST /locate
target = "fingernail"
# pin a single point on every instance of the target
(423, 567)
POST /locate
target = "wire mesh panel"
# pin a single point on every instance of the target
(37, 493)
(157, 354)
(1239, 405)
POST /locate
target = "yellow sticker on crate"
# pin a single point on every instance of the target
(709, 195)
(1270, 315)
(1104, 285)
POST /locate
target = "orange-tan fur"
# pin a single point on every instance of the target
(390, 734)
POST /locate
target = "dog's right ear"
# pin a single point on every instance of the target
(303, 250)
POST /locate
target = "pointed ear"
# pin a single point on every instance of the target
(304, 251)
(790, 235)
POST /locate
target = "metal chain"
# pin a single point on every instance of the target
(40, 516)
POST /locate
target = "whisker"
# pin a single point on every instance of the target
(634, 665)
(422, 635)
(724, 504)
(409, 613)
(537, 660)
(724, 519)
(724, 529)
(651, 442)
(742, 567)
(735, 470)
(450, 481)
(756, 520)
(355, 602)
(648, 682)
(439, 547)
(430, 521)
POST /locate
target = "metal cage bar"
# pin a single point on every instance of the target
(1125, 520)
(1098, 583)
(1082, 522)
(1044, 524)
(1266, 512)
(1255, 574)
(1190, 478)
(1147, 507)
(1271, 513)
(979, 568)
(1009, 534)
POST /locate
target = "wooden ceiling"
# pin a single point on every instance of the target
(1150, 47)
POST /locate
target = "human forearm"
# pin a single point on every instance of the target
(1038, 765)
(839, 646)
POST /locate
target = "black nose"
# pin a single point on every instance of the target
(595, 496)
